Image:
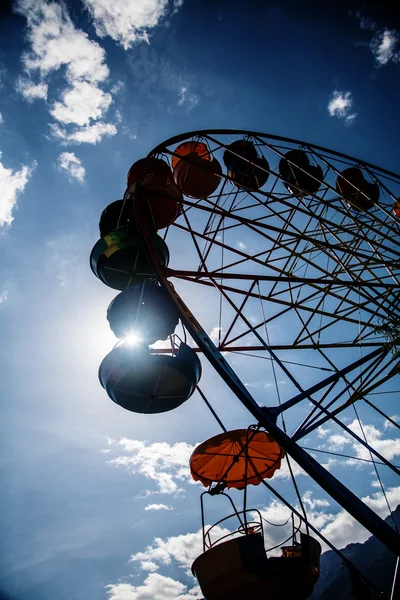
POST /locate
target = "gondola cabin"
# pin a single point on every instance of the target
(162, 196)
(360, 194)
(299, 176)
(245, 167)
(197, 177)
(115, 215)
(148, 166)
(188, 148)
(240, 569)
(143, 381)
(396, 209)
(119, 259)
(144, 309)
(196, 172)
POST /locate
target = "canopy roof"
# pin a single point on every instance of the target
(225, 458)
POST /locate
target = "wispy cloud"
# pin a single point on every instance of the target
(388, 425)
(340, 105)
(67, 161)
(384, 46)
(90, 134)
(32, 91)
(125, 21)
(3, 296)
(12, 183)
(187, 99)
(366, 22)
(158, 507)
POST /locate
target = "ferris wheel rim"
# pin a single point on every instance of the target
(204, 132)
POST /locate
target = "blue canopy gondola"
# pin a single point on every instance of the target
(359, 193)
(114, 216)
(143, 381)
(145, 310)
(245, 167)
(299, 176)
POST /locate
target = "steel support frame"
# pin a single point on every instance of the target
(349, 501)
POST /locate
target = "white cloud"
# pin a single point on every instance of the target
(388, 425)
(125, 21)
(155, 587)
(340, 105)
(241, 245)
(383, 46)
(90, 134)
(148, 565)
(12, 183)
(72, 164)
(158, 507)
(389, 448)
(314, 502)
(339, 528)
(321, 432)
(3, 296)
(55, 44)
(337, 441)
(284, 473)
(165, 464)
(187, 99)
(343, 529)
(81, 103)
(1, 119)
(214, 335)
(32, 91)
(183, 549)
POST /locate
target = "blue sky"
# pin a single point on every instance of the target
(96, 502)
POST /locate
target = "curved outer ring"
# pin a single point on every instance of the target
(204, 132)
(349, 501)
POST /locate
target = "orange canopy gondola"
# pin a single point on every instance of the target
(186, 148)
(223, 459)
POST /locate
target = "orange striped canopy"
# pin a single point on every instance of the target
(186, 148)
(223, 459)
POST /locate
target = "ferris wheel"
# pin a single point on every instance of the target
(289, 254)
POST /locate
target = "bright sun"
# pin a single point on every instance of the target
(133, 339)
